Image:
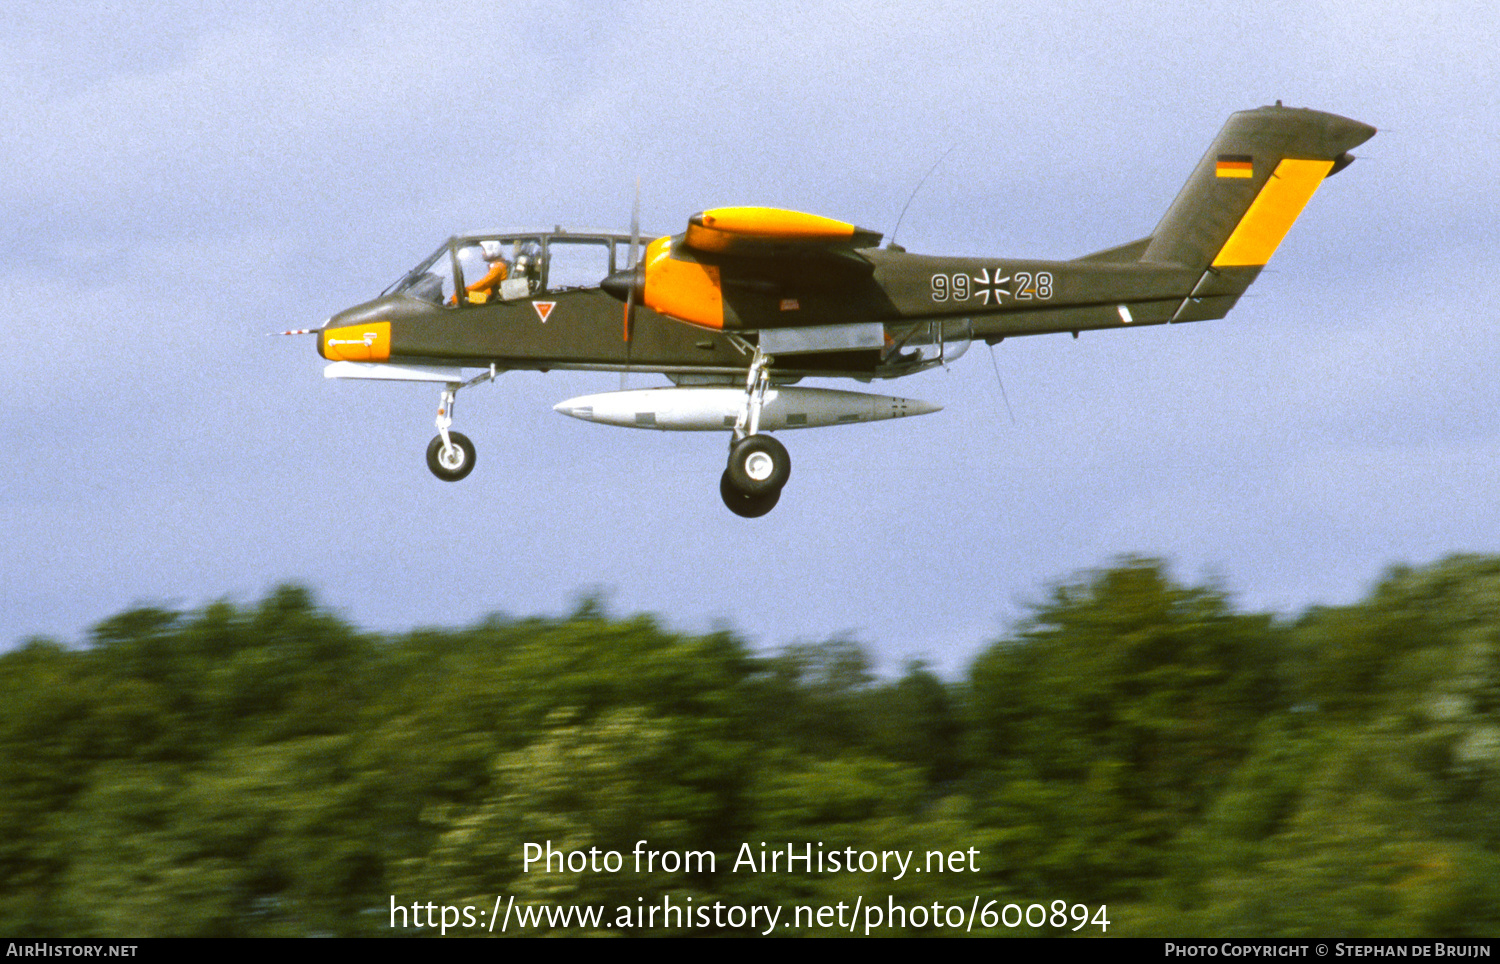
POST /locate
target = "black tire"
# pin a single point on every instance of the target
(454, 465)
(746, 506)
(758, 465)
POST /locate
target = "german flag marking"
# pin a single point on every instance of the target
(1234, 165)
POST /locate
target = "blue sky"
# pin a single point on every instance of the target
(182, 180)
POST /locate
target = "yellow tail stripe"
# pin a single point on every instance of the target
(1271, 214)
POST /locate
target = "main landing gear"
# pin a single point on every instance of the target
(759, 466)
(450, 455)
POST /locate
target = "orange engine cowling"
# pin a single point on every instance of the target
(685, 290)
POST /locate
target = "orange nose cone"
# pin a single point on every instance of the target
(359, 343)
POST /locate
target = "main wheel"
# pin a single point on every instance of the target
(758, 464)
(746, 506)
(451, 464)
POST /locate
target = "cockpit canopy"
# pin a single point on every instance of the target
(482, 268)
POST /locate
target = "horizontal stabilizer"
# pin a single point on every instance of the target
(1120, 253)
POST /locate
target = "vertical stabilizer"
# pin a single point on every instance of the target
(1243, 197)
(1251, 185)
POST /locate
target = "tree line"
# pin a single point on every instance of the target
(1135, 742)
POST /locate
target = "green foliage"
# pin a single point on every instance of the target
(917, 721)
(1110, 721)
(269, 770)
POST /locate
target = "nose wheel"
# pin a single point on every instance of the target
(452, 461)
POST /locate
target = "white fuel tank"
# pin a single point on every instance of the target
(715, 409)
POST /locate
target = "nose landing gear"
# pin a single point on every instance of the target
(450, 455)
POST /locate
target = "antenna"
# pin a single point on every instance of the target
(892, 241)
(996, 366)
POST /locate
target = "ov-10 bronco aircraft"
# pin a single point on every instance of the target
(748, 301)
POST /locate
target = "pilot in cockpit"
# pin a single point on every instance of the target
(526, 279)
(485, 288)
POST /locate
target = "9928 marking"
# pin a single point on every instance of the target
(961, 287)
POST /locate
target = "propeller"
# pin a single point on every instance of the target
(635, 244)
(629, 284)
(626, 284)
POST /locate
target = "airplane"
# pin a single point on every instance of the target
(749, 301)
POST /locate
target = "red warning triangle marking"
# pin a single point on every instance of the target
(543, 309)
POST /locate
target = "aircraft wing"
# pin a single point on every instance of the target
(772, 232)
